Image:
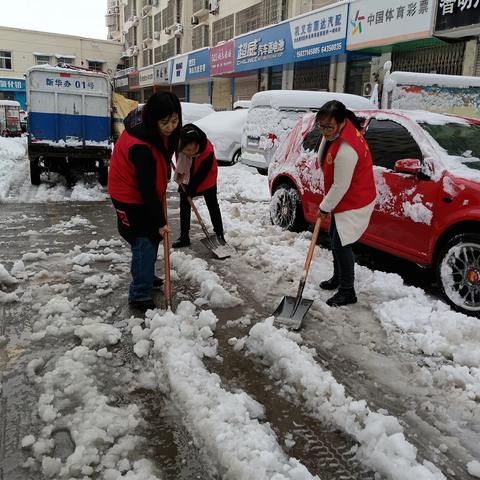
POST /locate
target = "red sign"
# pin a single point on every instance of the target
(222, 58)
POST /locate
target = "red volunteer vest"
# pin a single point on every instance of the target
(211, 179)
(122, 181)
(362, 190)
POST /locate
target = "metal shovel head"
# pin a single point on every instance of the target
(219, 250)
(286, 315)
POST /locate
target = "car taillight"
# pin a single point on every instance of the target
(272, 137)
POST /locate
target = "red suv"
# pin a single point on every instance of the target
(427, 171)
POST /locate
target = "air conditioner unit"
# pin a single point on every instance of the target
(213, 6)
(156, 35)
(367, 89)
(194, 20)
(178, 30)
(168, 31)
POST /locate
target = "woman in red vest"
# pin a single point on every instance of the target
(137, 183)
(350, 193)
(197, 171)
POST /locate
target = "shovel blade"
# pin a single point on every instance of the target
(286, 315)
(219, 250)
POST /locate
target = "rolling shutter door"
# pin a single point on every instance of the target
(246, 87)
(199, 93)
(221, 94)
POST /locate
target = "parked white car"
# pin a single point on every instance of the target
(192, 112)
(274, 113)
(224, 129)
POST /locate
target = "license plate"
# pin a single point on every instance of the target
(252, 141)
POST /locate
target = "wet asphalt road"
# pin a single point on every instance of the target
(27, 228)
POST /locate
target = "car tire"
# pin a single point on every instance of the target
(286, 209)
(458, 272)
(235, 157)
(35, 171)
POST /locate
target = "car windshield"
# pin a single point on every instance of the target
(459, 140)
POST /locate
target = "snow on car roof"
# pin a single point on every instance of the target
(423, 116)
(306, 99)
(429, 79)
(223, 120)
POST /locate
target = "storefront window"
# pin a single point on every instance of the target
(358, 73)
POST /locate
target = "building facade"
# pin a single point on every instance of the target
(220, 51)
(21, 49)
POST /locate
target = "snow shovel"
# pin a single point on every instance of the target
(292, 310)
(210, 241)
(166, 258)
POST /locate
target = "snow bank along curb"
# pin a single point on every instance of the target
(225, 424)
(383, 446)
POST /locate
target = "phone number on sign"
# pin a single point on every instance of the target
(333, 47)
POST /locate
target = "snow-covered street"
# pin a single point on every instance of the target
(388, 388)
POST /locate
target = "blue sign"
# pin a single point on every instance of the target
(12, 84)
(198, 64)
(320, 34)
(264, 48)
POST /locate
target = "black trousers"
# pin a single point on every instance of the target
(210, 197)
(343, 259)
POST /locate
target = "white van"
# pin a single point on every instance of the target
(274, 113)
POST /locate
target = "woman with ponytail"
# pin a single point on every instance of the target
(349, 193)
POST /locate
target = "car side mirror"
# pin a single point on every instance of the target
(411, 166)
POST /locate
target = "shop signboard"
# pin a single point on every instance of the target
(372, 23)
(179, 69)
(145, 77)
(264, 48)
(12, 84)
(161, 73)
(222, 58)
(320, 34)
(198, 65)
(457, 14)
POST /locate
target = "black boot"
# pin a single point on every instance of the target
(345, 296)
(183, 241)
(330, 284)
(142, 305)
(221, 239)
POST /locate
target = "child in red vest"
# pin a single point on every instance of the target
(196, 174)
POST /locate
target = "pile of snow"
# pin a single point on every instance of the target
(15, 183)
(226, 424)
(382, 443)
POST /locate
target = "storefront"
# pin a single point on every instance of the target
(221, 69)
(134, 87)
(13, 89)
(145, 83)
(459, 22)
(178, 78)
(161, 76)
(198, 76)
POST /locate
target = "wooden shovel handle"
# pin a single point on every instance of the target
(166, 257)
(311, 249)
